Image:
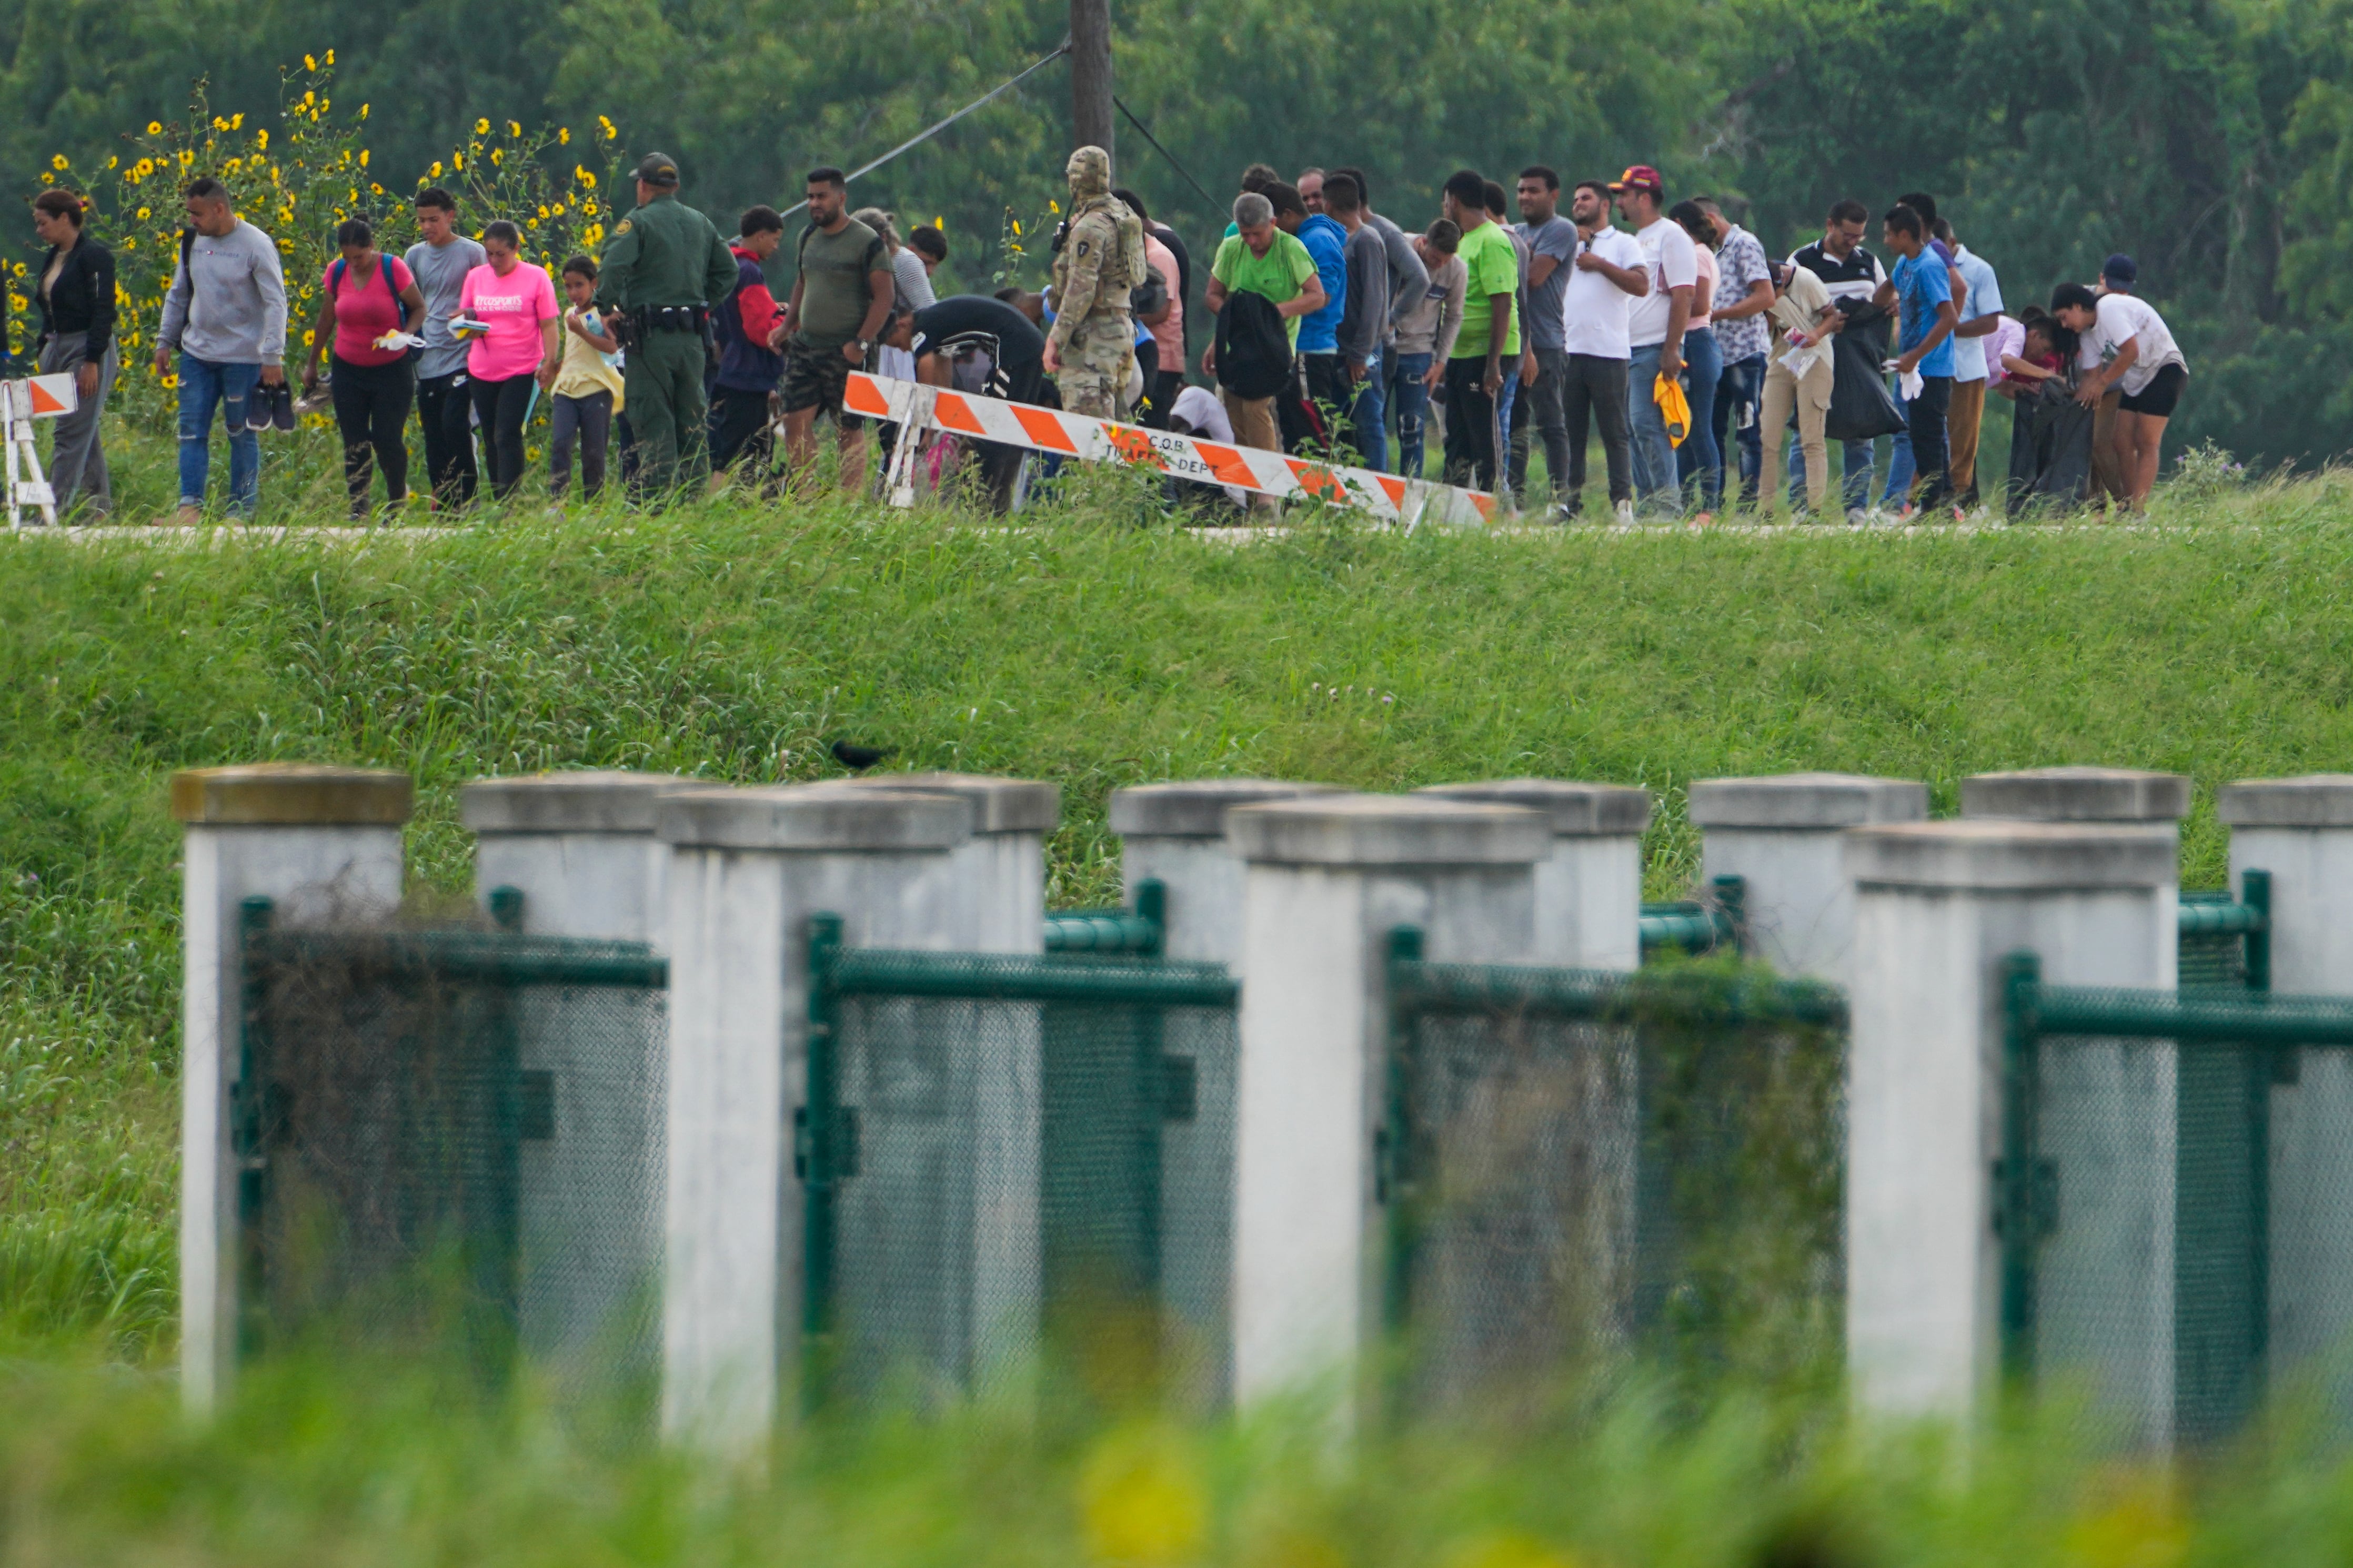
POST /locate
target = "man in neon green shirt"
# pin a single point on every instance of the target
(1487, 349)
(1260, 258)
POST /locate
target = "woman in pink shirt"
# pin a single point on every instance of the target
(365, 296)
(521, 343)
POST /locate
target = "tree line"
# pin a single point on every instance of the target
(2213, 139)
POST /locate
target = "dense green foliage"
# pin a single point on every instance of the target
(2212, 139)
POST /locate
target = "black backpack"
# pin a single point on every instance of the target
(1254, 346)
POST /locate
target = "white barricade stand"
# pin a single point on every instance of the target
(322, 844)
(21, 403)
(919, 409)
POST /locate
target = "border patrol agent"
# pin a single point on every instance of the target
(1092, 351)
(662, 269)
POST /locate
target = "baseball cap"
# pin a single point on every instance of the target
(2120, 268)
(658, 169)
(1641, 177)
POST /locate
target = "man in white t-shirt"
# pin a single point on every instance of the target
(1655, 328)
(1980, 313)
(1607, 272)
(1198, 411)
(2125, 344)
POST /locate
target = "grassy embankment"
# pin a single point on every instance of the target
(736, 643)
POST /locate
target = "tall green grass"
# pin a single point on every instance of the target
(1093, 646)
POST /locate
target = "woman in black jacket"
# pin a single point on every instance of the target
(75, 291)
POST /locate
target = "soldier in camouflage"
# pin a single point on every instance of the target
(1091, 352)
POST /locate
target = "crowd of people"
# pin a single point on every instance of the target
(1662, 329)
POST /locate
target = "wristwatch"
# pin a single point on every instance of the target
(864, 345)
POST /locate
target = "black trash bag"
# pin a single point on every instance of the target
(1254, 346)
(2050, 450)
(1861, 405)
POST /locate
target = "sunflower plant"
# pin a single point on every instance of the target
(296, 176)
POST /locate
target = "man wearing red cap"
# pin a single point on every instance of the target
(1655, 330)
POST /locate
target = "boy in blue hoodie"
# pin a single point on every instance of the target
(1319, 334)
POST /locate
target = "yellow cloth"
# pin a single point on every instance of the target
(582, 371)
(1667, 394)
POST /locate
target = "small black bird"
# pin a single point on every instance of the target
(858, 759)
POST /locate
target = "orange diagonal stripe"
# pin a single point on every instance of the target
(1395, 488)
(1134, 446)
(1043, 428)
(863, 397)
(1229, 466)
(951, 412)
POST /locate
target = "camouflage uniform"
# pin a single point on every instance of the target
(1100, 261)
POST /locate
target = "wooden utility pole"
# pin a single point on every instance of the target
(1091, 90)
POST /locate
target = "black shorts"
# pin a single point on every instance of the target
(814, 378)
(2161, 395)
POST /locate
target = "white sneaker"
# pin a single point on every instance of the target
(1856, 517)
(1625, 514)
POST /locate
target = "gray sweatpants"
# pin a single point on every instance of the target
(76, 461)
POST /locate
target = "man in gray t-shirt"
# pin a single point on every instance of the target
(1552, 241)
(439, 263)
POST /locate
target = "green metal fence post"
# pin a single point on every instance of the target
(820, 1112)
(506, 908)
(248, 1132)
(1152, 907)
(2014, 1199)
(1732, 901)
(1392, 1169)
(2255, 892)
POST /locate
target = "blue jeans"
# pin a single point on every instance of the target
(1368, 416)
(1409, 395)
(1739, 392)
(204, 386)
(1646, 430)
(1503, 401)
(1699, 461)
(1855, 487)
(1900, 467)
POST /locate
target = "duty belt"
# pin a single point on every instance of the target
(669, 318)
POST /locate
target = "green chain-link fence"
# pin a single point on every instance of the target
(1017, 1166)
(2175, 1194)
(452, 1136)
(1581, 1166)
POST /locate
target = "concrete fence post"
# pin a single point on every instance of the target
(322, 844)
(2299, 831)
(747, 870)
(1589, 886)
(1011, 819)
(1938, 907)
(1328, 879)
(579, 847)
(1174, 834)
(2077, 795)
(1783, 836)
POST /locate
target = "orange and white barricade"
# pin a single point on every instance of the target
(920, 410)
(21, 403)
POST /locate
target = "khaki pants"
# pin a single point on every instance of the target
(1810, 400)
(1963, 418)
(1255, 425)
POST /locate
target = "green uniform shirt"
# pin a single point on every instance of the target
(665, 253)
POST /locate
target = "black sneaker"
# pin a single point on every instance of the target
(282, 405)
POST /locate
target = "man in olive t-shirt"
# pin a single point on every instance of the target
(840, 301)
